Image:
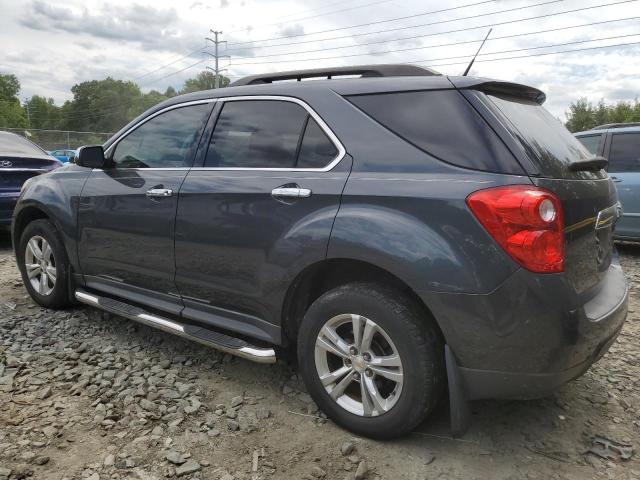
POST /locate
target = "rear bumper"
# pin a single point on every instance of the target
(529, 336)
(480, 384)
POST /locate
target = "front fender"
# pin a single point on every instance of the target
(56, 194)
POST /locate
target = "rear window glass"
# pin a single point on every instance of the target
(591, 143)
(15, 144)
(443, 124)
(545, 139)
(625, 152)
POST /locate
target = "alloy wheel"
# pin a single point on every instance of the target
(359, 365)
(40, 265)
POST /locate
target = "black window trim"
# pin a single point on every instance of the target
(113, 146)
(310, 114)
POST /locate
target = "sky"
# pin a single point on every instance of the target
(52, 46)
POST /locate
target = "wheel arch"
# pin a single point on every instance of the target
(24, 217)
(327, 274)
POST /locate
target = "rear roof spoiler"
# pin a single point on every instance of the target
(500, 88)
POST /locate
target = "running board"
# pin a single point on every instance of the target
(220, 341)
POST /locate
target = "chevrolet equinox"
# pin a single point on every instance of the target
(403, 233)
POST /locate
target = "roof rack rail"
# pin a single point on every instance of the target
(388, 70)
(616, 125)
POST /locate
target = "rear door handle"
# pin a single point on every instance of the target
(159, 192)
(290, 192)
(616, 179)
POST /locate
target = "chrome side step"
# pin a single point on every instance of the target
(211, 338)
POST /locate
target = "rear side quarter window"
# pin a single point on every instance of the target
(443, 124)
(593, 143)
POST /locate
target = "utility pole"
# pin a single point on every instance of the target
(216, 56)
(26, 105)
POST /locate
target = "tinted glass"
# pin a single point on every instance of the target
(625, 152)
(443, 124)
(545, 139)
(15, 144)
(256, 134)
(316, 150)
(165, 141)
(591, 142)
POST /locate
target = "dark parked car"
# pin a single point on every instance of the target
(400, 232)
(620, 144)
(19, 160)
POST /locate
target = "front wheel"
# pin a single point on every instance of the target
(43, 263)
(371, 360)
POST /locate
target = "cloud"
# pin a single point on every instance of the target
(291, 30)
(153, 28)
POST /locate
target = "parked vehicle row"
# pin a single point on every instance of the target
(399, 234)
(620, 144)
(64, 155)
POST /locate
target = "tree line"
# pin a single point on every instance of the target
(584, 115)
(107, 105)
(97, 105)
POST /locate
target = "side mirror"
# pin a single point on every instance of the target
(91, 156)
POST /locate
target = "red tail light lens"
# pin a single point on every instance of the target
(526, 222)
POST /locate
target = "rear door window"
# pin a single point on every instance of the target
(443, 124)
(316, 149)
(256, 134)
(268, 134)
(624, 155)
(591, 142)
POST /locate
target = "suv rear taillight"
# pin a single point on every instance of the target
(526, 222)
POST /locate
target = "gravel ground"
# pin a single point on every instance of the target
(84, 395)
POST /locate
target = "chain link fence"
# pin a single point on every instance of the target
(59, 139)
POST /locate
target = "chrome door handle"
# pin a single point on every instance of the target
(291, 192)
(159, 192)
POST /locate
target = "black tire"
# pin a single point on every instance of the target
(58, 298)
(416, 339)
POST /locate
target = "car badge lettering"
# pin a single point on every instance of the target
(5, 163)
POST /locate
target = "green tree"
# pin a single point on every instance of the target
(203, 81)
(100, 105)
(9, 87)
(583, 115)
(11, 112)
(145, 102)
(43, 113)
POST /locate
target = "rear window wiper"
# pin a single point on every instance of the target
(594, 163)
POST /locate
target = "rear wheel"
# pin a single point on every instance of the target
(43, 264)
(370, 359)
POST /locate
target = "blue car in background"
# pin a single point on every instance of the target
(620, 144)
(64, 155)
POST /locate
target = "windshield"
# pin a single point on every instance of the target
(545, 139)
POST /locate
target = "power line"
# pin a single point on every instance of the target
(393, 20)
(522, 49)
(436, 46)
(168, 64)
(528, 48)
(320, 15)
(535, 54)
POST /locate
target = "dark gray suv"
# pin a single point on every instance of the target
(402, 233)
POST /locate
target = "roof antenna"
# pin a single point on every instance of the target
(474, 57)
